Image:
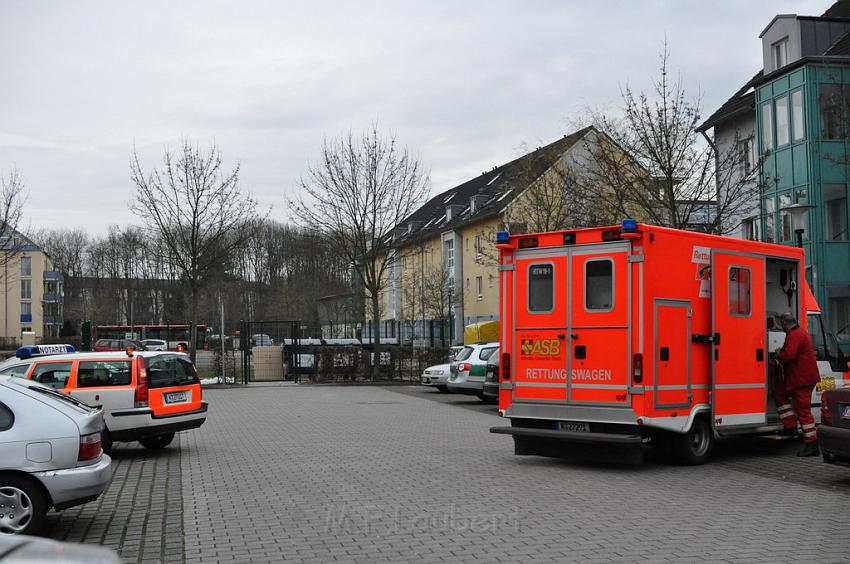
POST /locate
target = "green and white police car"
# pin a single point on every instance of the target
(468, 369)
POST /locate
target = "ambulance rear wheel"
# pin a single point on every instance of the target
(695, 446)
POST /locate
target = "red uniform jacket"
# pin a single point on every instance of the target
(798, 357)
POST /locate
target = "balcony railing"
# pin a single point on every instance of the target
(53, 275)
(51, 297)
(52, 320)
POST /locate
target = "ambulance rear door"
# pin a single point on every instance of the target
(540, 325)
(599, 323)
(739, 365)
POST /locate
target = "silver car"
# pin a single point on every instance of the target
(436, 376)
(50, 454)
(155, 344)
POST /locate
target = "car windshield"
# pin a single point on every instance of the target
(170, 370)
(464, 353)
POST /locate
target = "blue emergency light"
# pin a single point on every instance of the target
(629, 225)
(502, 237)
(30, 351)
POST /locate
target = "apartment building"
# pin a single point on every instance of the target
(444, 263)
(32, 291)
(792, 119)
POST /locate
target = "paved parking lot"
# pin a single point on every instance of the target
(315, 473)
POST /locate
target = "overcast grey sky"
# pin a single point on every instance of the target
(463, 84)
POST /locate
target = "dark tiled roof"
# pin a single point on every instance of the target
(840, 48)
(493, 191)
(840, 9)
(741, 101)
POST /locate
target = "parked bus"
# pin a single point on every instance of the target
(172, 334)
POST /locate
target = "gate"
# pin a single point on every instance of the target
(274, 351)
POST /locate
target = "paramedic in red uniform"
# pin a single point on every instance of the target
(794, 398)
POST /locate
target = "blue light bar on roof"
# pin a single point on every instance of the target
(629, 225)
(502, 237)
(30, 351)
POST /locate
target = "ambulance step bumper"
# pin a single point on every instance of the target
(569, 436)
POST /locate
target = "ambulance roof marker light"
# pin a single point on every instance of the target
(503, 237)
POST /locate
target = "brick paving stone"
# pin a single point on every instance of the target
(320, 474)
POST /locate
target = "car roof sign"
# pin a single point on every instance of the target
(29, 351)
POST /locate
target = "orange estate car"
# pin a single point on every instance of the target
(147, 396)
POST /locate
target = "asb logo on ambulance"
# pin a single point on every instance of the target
(540, 347)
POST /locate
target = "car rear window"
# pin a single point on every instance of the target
(486, 353)
(465, 353)
(166, 371)
(103, 373)
(19, 370)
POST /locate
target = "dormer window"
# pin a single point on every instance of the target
(780, 53)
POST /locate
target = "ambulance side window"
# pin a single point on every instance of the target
(541, 288)
(599, 285)
(740, 291)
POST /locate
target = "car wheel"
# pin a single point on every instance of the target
(157, 441)
(443, 389)
(22, 505)
(695, 446)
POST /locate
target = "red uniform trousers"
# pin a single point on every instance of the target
(796, 405)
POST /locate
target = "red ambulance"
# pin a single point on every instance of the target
(637, 334)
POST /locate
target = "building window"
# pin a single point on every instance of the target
(26, 308)
(769, 220)
(831, 114)
(782, 131)
(751, 227)
(449, 245)
(786, 226)
(767, 127)
(490, 279)
(479, 288)
(26, 266)
(780, 53)
(740, 291)
(26, 289)
(838, 304)
(478, 248)
(835, 202)
(797, 126)
(747, 156)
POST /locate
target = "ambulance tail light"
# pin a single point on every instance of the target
(142, 392)
(637, 368)
(506, 366)
(825, 414)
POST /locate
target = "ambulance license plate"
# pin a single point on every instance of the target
(845, 411)
(176, 397)
(574, 427)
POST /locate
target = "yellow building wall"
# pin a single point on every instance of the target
(10, 304)
(480, 260)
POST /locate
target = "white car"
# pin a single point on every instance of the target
(469, 368)
(50, 454)
(155, 344)
(436, 376)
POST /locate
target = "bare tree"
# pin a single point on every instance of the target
(652, 165)
(12, 198)
(198, 211)
(361, 188)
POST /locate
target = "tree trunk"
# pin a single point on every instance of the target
(376, 334)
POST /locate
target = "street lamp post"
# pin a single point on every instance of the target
(798, 219)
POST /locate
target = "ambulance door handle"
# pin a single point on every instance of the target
(759, 355)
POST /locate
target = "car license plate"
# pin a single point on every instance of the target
(845, 411)
(176, 397)
(575, 427)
